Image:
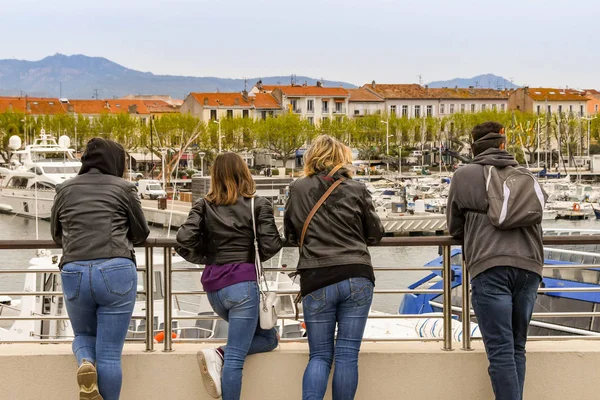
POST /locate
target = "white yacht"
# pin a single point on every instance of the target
(28, 185)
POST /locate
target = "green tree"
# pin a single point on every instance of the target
(284, 134)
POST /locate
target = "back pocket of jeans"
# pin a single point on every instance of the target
(361, 291)
(71, 284)
(119, 279)
(315, 301)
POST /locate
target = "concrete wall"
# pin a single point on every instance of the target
(556, 370)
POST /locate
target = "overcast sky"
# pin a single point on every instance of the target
(535, 42)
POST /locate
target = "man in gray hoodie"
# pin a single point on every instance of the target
(505, 265)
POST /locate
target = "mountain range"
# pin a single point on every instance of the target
(488, 81)
(83, 77)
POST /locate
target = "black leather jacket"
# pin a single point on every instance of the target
(96, 215)
(341, 229)
(217, 235)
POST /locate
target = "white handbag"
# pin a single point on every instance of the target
(267, 314)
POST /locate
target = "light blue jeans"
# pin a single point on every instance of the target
(238, 305)
(100, 296)
(346, 304)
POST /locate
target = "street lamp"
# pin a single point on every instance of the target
(202, 154)
(538, 142)
(219, 123)
(387, 143)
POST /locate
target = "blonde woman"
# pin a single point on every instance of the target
(332, 219)
(218, 233)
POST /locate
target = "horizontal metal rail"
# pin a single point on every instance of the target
(291, 292)
(167, 244)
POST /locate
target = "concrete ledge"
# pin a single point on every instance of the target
(556, 370)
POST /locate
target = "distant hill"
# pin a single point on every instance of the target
(482, 81)
(81, 76)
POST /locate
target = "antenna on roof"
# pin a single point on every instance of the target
(95, 96)
(420, 79)
(245, 84)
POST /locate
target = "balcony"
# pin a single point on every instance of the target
(325, 110)
(310, 110)
(297, 110)
(341, 110)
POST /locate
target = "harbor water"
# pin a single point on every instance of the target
(18, 228)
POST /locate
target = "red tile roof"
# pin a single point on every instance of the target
(118, 106)
(414, 91)
(160, 106)
(222, 100)
(551, 94)
(12, 104)
(313, 91)
(265, 100)
(363, 95)
(45, 107)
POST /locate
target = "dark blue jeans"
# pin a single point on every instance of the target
(346, 304)
(238, 305)
(503, 299)
(100, 297)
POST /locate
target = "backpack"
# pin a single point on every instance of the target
(515, 198)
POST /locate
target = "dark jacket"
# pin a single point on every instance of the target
(485, 246)
(217, 235)
(98, 214)
(340, 230)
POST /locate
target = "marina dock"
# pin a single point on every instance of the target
(177, 211)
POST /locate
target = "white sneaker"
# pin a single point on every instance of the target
(211, 368)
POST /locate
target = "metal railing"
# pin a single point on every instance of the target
(444, 242)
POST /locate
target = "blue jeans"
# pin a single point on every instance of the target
(346, 303)
(503, 299)
(238, 305)
(100, 296)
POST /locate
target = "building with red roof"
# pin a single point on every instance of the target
(542, 100)
(214, 106)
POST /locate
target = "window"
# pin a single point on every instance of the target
(356, 112)
(245, 113)
(325, 106)
(213, 115)
(311, 120)
(417, 111)
(560, 109)
(338, 107)
(483, 107)
(473, 108)
(429, 111)
(451, 108)
(539, 109)
(494, 107)
(442, 108)
(549, 109)
(294, 104)
(596, 108)
(310, 105)
(393, 110)
(571, 108)
(405, 111)
(263, 115)
(271, 113)
(229, 113)
(502, 107)
(324, 119)
(462, 108)
(581, 110)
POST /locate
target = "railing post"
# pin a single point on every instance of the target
(466, 308)
(149, 287)
(446, 255)
(168, 300)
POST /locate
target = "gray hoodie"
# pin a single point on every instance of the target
(485, 246)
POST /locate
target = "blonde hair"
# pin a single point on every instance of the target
(324, 153)
(229, 179)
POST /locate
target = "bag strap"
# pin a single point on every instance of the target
(260, 273)
(320, 202)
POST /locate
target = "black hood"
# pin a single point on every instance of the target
(496, 157)
(104, 155)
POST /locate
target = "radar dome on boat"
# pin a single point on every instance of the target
(14, 143)
(64, 141)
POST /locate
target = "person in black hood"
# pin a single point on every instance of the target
(97, 218)
(505, 265)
